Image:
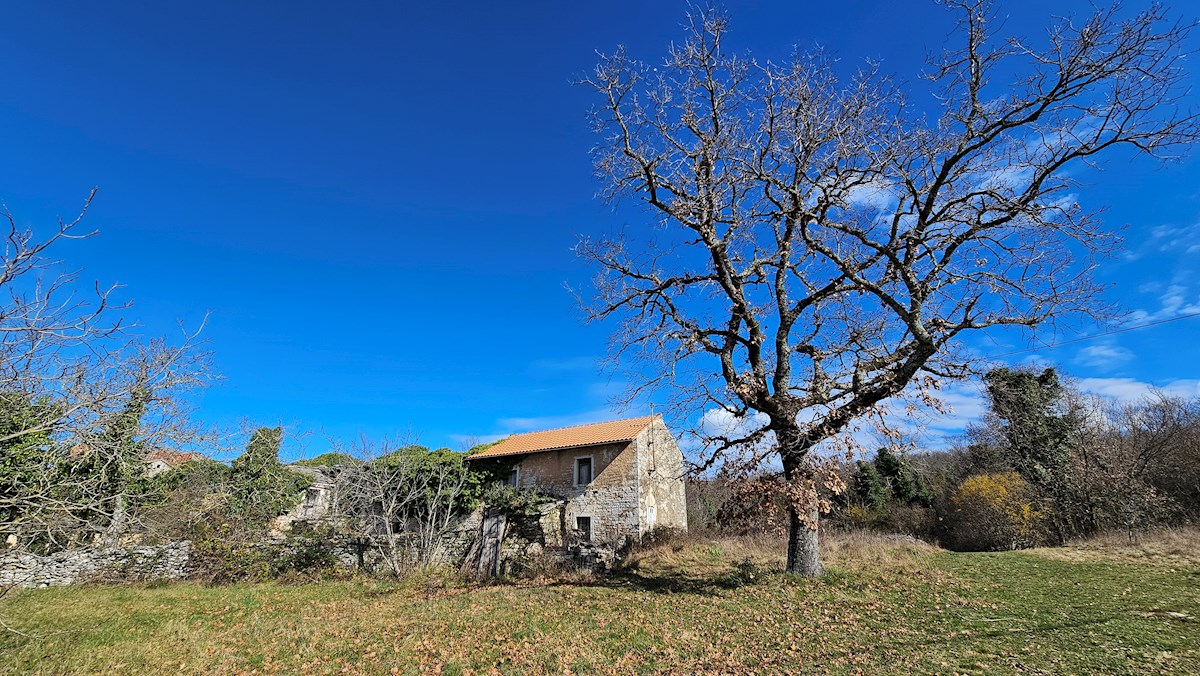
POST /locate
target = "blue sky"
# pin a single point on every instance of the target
(377, 201)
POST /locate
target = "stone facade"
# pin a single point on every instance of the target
(317, 504)
(610, 499)
(660, 471)
(636, 485)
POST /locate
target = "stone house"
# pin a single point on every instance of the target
(161, 461)
(617, 480)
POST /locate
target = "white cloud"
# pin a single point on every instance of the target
(1104, 356)
(966, 403)
(1130, 390)
(876, 194)
(720, 422)
(1176, 300)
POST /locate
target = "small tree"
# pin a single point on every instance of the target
(404, 503)
(67, 370)
(1132, 465)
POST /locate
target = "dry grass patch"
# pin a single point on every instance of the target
(1169, 547)
(708, 555)
(695, 605)
(863, 550)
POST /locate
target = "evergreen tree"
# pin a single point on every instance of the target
(1039, 434)
(260, 487)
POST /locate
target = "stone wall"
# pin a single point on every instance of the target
(165, 562)
(610, 500)
(660, 479)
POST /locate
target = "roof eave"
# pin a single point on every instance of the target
(485, 456)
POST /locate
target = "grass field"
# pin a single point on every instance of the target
(703, 606)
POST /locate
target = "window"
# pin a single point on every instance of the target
(583, 524)
(583, 471)
(513, 478)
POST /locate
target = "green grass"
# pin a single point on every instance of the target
(883, 608)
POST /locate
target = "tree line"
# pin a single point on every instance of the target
(1046, 464)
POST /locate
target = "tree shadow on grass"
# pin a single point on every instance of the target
(673, 580)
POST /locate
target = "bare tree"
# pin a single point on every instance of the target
(402, 500)
(822, 242)
(1129, 453)
(82, 400)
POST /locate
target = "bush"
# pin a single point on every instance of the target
(219, 556)
(993, 512)
(231, 553)
(915, 521)
(330, 459)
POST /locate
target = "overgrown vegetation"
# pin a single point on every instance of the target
(1046, 465)
(404, 504)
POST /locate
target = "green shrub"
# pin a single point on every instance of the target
(330, 459)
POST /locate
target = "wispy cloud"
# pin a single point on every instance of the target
(1130, 390)
(877, 194)
(1104, 356)
(1175, 239)
(533, 424)
(504, 427)
(720, 422)
(1176, 300)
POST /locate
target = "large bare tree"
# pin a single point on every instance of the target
(822, 241)
(82, 398)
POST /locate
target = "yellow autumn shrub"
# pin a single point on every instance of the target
(990, 512)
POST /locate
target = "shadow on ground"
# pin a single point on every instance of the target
(671, 580)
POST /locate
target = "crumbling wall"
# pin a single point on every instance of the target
(507, 544)
(162, 562)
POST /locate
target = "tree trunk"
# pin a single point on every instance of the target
(804, 547)
(112, 534)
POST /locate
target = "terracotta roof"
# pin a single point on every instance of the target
(567, 437)
(171, 458)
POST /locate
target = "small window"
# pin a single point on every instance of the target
(583, 524)
(583, 471)
(513, 478)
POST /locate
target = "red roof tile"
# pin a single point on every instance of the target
(567, 437)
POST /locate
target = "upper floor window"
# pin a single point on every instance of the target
(583, 471)
(513, 478)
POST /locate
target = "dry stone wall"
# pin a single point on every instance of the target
(160, 562)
